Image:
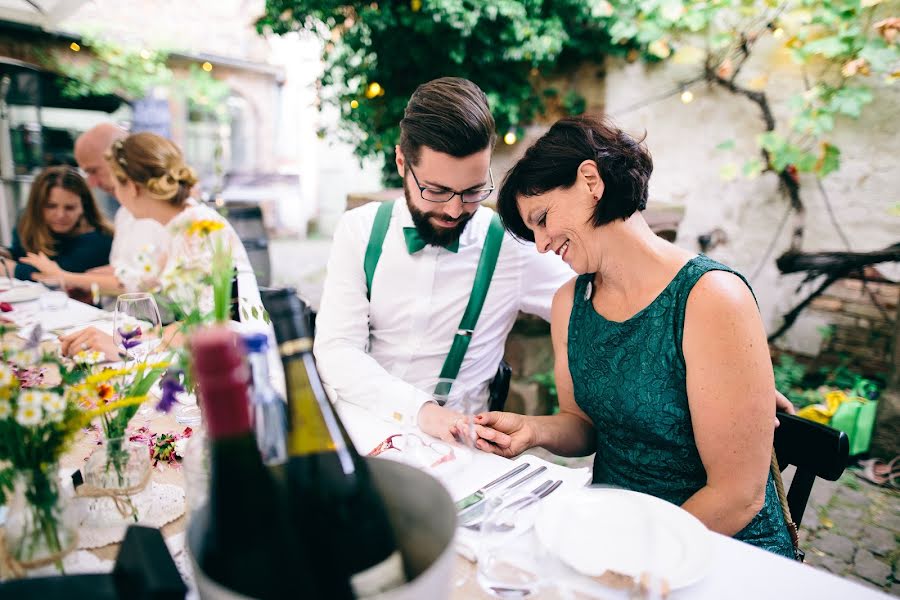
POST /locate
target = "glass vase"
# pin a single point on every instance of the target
(118, 470)
(40, 529)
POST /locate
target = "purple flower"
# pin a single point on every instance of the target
(129, 344)
(170, 387)
(130, 332)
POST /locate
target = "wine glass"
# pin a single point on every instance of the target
(507, 567)
(137, 330)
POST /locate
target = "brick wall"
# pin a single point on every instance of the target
(862, 317)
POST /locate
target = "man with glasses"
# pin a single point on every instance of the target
(394, 298)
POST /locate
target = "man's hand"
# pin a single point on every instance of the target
(504, 433)
(42, 263)
(782, 404)
(89, 338)
(441, 422)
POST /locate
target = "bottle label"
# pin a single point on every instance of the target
(386, 575)
(310, 434)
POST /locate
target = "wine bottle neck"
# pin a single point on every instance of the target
(314, 424)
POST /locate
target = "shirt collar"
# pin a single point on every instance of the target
(472, 234)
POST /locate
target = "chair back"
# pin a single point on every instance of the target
(266, 295)
(247, 220)
(815, 450)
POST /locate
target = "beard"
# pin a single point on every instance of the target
(431, 235)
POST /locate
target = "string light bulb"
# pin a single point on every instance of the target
(207, 66)
(145, 54)
(354, 104)
(74, 47)
(778, 33)
(374, 90)
(687, 96)
(510, 138)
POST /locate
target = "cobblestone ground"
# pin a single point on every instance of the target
(852, 529)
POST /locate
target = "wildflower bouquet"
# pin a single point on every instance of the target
(37, 424)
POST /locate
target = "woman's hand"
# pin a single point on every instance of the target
(503, 433)
(782, 404)
(42, 263)
(90, 338)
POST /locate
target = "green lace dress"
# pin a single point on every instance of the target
(630, 379)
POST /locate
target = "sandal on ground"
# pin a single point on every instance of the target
(880, 473)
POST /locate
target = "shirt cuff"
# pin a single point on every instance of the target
(408, 414)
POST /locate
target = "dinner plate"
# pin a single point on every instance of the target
(22, 293)
(595, 530)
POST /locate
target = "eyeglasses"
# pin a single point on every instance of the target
(442, 196)
(415, 451)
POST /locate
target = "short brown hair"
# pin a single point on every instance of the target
(449, 115)
(552, 162)
(34, 233)
(154, 163)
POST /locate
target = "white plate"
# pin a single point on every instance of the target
(22, 293)
(598, 529)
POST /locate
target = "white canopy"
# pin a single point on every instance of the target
(43, 13)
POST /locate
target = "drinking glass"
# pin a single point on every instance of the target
(509, 566)
(137, 331)
(55, 298)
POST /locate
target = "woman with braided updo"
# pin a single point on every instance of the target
(152, 181)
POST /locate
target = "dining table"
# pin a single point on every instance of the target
(735, 569)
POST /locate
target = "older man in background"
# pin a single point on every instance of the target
(133, 237)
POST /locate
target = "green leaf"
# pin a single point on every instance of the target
(829, 47)
(881, 58)
(829, 161)
(254, 311)
(752, 168)
(728, 171)
(850, 100)
(726, 145)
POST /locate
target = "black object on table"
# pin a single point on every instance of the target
(144, 571)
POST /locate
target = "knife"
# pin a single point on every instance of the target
(478, 495)
(477, 508)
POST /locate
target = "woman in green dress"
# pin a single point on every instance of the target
(662, 366)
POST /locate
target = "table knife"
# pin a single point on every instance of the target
(478, 495)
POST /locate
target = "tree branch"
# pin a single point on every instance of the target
(788, 176)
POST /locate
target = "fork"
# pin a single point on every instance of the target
(541, 491)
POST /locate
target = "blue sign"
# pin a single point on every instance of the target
(152, 114)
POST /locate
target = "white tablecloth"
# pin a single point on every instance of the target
(738, 570)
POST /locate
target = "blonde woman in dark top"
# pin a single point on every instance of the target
(61, 233)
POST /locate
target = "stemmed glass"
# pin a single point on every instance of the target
(137, 329)
(507, 567)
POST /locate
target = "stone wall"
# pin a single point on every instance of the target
(861, 316)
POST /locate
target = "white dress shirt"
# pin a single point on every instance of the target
(135, 246)
(386, 354)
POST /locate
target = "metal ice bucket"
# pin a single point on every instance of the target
(424, 520)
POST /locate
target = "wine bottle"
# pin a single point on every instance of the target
(241, 537)
(326, 478)
(267, 407)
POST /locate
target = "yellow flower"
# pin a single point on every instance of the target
(204, 227)
(7, 377)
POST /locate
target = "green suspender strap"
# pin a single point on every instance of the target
(482, 282)
(376, 241)
(483, 275)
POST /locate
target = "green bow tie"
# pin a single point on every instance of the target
(414, 241)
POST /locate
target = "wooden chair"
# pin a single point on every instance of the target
(815, 450)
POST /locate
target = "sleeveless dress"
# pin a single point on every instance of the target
(630, 379)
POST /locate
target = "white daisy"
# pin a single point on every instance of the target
(53, 403)
(5, 409)
(29, 415)
(30, 398)
(89, 357)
